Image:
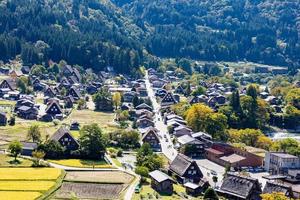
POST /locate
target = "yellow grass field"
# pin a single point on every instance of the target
(29, 174)
(26, 185)
(11, 195)
(82, 163)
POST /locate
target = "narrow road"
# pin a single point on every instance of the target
(165, 139)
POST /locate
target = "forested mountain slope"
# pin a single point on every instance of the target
(258, 30)
(89, 33)
(98, 33)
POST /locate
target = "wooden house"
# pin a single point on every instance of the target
(196, 189)
(64, 137)
(239, 187)
(49, 92)
(185, 169)
(191, 147)
(151, 137)
(168, 100)
(8, 84)
(26, 112)
(3, 119)
(144, 123)
(161, 182)
(28, 148)
(54, 108)
(271, 187)
(74, 93)
(144, 106)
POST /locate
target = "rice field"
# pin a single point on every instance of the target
(11, 195)
(28, 183)
(82, 163)
(29, 174)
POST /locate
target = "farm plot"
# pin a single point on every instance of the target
(94, 184)
(28, 183)
(89, 190)
(100, 177)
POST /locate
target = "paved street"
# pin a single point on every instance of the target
(167, 146)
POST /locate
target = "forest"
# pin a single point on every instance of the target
(128, 33)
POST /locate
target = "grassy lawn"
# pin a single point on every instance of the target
(85, 117)
(82, 163)
(20, 129)
(117, 162)
(28, 183)
(8, 161)
(7, 103)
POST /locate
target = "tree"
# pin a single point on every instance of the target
(38, 156)
(146, 158)
(216, 125)
(197, 116)
(199, 91)
(142, 171)
(235, 101)
(52, 149)
(252, 90)
(274, 196)
(34, 133)
(116, 100)
(210, 194)
(22, 86)
(293, 97)
(180, 108)
(102, 100)
(92, 143)
(15, 148)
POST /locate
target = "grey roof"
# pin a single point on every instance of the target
(159, 176)
(185, 139)
(150, 130)
(199, 134)
(180, 164)
(283, 155)
(191, 185)
(271, 187)
(29, 145)
(238, 185)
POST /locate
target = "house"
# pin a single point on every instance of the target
(182, 130)
(238, 187)
(14, 74)
(74, 93)
(27, 112)
(28, 148)
(105, 104)
(69, 101)
(271, 187)
(196, 189)
(67, 70)
(228, 155)
(161, 182)
(280, 162)
(49, 92)
(168, 100)
(144, 123)
(261, 69)
(25, 69)
(151, 137)
(3, 119)
(8, 84)
(54, 108)
(142, 112)
(128, 96)
(75, 126)
(279, 70)
(179, 90)
(191, 146)
(168, 117)
(144, 106)
(185, 169)
(64, 137)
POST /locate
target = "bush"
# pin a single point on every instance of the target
(120, 153)
(12, 121)
(55, 122)
(142, 171)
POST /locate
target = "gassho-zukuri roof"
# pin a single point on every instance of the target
(180, 164)
(60, 133)
(159, 176)
(238, 185)
(271, 187)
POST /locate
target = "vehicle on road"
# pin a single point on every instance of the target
(213, 172)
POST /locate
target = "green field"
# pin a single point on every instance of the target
(8, 161)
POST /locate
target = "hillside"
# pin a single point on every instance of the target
(257, 30)
(94, 33)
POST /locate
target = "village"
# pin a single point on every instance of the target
(176, 135)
